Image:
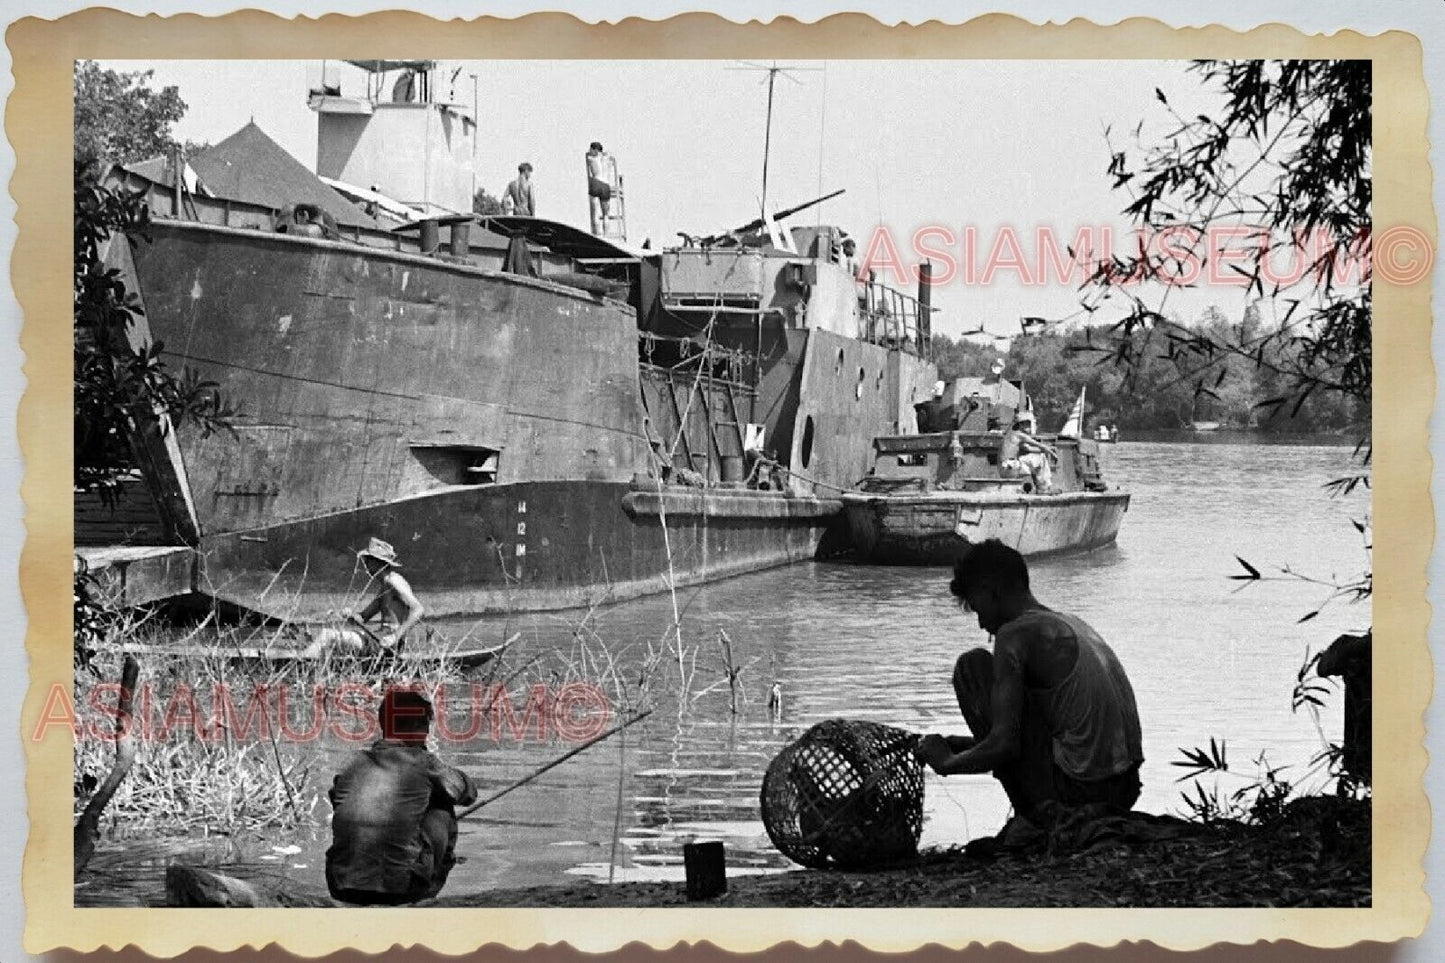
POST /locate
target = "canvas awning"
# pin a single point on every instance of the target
(382, 66)
(562, 238)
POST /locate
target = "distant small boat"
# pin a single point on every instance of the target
(1207, 426)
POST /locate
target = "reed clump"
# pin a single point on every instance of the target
(226, 745)
(193, 772)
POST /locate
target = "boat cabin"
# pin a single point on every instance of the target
(964, 428)
(970, 462)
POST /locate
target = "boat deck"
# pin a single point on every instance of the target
(949, 496)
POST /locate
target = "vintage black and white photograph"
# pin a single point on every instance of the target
(733, 482)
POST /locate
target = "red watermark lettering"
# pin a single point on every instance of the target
(258, 713)
(356, 703)
(572, 723)
(318, 715)
(1403, 255)
(345, 712)
(474, 706)
(1228, 255)
(536, 708)
(58, 711)
(99, 701)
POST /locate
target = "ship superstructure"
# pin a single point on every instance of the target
(537, 417)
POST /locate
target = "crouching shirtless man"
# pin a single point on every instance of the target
(1051, 710)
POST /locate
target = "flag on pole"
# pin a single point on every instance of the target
(1074, 424)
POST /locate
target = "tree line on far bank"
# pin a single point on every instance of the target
(1157, 392)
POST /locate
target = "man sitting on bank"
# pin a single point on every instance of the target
(394, 826)
(1051, 710)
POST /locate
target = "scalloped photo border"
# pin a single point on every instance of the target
(38, 123)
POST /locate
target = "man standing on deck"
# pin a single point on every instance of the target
(394, 602)
(599, 187)
(1051, 710)
(393, 824)
(520, 190)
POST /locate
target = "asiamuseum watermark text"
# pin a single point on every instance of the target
(1233, 255)
(345, 712)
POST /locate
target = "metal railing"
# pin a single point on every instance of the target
(893, 319)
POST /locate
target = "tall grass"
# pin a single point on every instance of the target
(193, 777)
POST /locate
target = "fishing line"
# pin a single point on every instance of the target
(963, 810)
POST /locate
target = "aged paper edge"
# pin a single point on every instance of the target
(38, 125)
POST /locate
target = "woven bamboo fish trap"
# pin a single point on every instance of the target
(845, 795)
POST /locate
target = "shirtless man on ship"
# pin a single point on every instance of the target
(1051, 710)
(1020, 451)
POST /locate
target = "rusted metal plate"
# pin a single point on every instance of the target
(416, 350)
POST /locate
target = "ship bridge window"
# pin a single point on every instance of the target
(458, 464)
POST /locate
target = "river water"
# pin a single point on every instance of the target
(1207, 659)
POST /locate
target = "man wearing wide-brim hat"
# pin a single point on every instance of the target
(394, 601)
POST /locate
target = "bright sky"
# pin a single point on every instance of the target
(988, 145)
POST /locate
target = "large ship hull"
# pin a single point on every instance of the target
(526, 546)
(935, 528)
(497, 429)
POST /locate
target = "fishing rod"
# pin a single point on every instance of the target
(553, 764)
(356, 622)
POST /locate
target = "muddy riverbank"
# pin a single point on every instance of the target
(1317, 854)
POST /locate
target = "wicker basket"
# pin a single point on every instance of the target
(847, 795)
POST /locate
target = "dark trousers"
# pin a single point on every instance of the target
(1034, 778)
(438, 846)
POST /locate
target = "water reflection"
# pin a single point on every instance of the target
(879, 643)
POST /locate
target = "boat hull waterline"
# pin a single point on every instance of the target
(935, 528)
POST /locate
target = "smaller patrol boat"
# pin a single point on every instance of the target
(976, 471)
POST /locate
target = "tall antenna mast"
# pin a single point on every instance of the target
(768, 131)
(773, 69)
